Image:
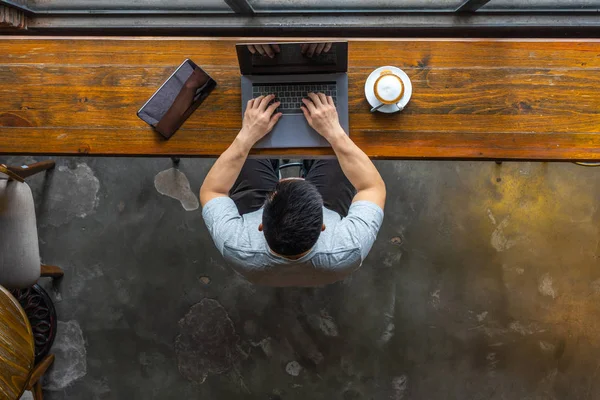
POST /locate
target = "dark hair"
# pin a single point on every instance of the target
(293, 217)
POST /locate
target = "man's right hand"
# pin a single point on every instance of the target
(259, 119)
(322, 116)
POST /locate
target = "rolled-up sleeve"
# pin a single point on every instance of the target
(223, 221)
(362, 224)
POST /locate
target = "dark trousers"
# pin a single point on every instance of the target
(259, 177)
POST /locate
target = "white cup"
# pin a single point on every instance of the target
(388, 89)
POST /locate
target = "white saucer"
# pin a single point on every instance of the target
(370, 94)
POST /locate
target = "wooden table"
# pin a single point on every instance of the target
(473, 99)
(17, 352)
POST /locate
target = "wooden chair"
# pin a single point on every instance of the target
(20, 265)
(34, 385)
(17, 352)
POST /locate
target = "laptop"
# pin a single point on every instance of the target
(291, 75)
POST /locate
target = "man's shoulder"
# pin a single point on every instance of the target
(336, 258)
(353, 234)
(321, 257)
(248, 254)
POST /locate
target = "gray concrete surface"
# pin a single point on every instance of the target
(484, 283)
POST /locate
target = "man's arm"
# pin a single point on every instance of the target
(321, 114)
(258, 121)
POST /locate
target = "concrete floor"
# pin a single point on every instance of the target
(484, 283)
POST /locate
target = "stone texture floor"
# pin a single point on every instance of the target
(484, 283)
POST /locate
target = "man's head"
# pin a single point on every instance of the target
(293, 217)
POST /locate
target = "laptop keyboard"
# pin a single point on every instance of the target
(290, 95)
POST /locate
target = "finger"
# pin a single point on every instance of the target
(327, 47)
(311, 49)
(323, 98)
(250, 104)
(276, 47)
(252, 49)
(310, 106)
(271, 109)
(260, 50)
(320, 48)
(256, 101)
(315, 99)
(265, 102)
(274, 120)
(306, 114)
(267, 48)
(303, 47)
(330, 101)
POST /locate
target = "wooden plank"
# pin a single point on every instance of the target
(397, 145)
(450, 53)
(508, 101)
(472, 99)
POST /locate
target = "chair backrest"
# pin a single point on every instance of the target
(6, 173)
(301, 172)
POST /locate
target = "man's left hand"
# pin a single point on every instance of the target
(259, 119)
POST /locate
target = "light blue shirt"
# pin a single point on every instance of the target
(340, 249)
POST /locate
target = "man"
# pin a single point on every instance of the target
(293, 232)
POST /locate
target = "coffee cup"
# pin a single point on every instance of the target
(388, 89)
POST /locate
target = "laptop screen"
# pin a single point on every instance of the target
(292, 58)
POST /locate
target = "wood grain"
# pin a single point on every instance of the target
(481, 99)
(16, 347)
